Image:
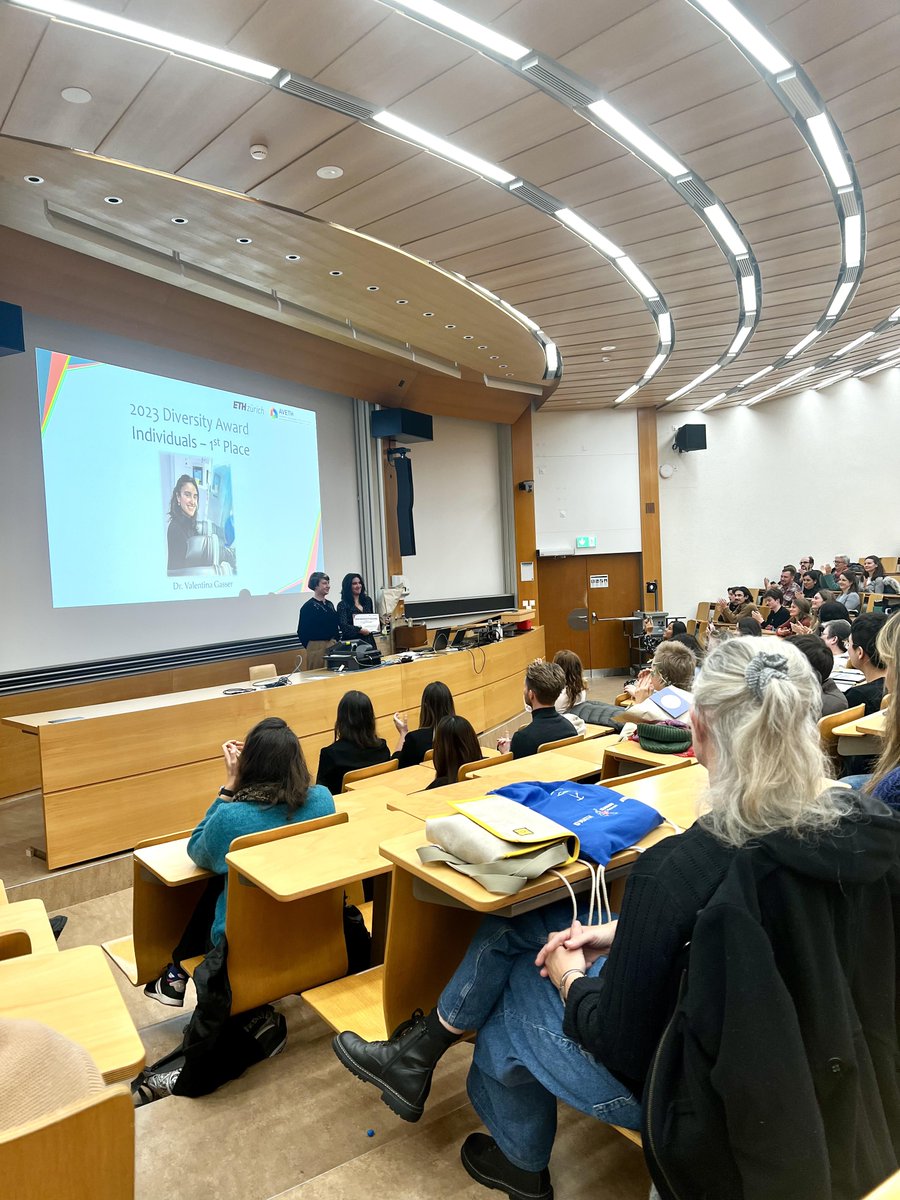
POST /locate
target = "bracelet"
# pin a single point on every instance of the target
(562, 982)
(224, 791)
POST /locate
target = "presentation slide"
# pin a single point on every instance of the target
(159, 489)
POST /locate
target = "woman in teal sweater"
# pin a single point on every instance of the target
(267, 784)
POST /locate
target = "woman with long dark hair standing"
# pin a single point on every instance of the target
(354, 601)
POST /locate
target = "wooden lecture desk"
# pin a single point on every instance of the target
(114, 775)
(29, 917)
(74, 992)
(435, 910)
(862, 736)
(167, 885)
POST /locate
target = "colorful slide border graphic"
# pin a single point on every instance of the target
(52, 368)
(297, 585)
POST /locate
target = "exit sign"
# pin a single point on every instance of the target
(585, 542)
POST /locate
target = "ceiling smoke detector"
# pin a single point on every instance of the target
(259, 151)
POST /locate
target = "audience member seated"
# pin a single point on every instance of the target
(673, 666)
(575, 691)
(811, 582)
(543, 683)
(822, 662)
(777, 614)
(885, 781)
(848, 596)
(688, 639)
(437, 702)
(830, 574)
(787, 583)
(830, 611)
(800, 611)
(267, 784)
(863, 655)
(650, 639)
(356, 744)
(835, 635)
(828, 865)
(875, 579)
(455, 743)
(749, 627)
(738, 606)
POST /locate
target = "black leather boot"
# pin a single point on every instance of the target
(486, 1163)
(402, 1066)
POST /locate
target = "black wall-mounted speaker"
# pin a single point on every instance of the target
(402, 424)
(690, 437)
(405, 498)
(12, 329)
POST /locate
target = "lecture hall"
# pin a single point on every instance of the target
(449, 636)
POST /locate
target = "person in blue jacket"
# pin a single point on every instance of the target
(267, 784)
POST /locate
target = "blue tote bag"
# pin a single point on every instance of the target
(604, 821)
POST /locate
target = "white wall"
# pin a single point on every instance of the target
(32, 632)
(457, 513)
(586, 480)
(814, 473)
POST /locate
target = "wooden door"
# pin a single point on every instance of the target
(587, 620)
(621, 574)
(562, 598)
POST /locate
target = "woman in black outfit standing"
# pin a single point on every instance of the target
(317, 628)
(354, 600)
(356, 744)
(437, 702)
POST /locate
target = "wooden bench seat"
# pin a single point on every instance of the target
(354, 1002)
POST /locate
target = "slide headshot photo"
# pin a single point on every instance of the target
(199, 517)
(205, 494)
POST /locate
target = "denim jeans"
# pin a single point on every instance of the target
(523, 1061)
(856, 781)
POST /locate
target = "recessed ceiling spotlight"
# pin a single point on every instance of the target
(401, 302)
(34, 179)
(503, 366)
(179, 220)
(428, 314)
(606, 358)
(372, 287)
(113, 199)
(335, 273)
(449, 326)
(510, 374)
(292, 258)
(607, 347)
(244, 241)
(330, 172)
(494, 357)
(482, 347)
(467, 337)
(76, 95)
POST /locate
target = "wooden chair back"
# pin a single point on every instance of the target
(889, 1190)
(370, 772)
(14, 943)
(624, 699)
(429, 755)
(276, 948)
(469, 769)
(3, 899)
(264, 671)
(885, 701)
(828, 724)
(560, 742)
(84, 1151)
(158, 916)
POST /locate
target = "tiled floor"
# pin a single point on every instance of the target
(296, 1126)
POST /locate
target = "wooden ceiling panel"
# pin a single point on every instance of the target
(180, 111)
(20, 35)
(869, 53)
(286, 125)
(112, 70)
(530, 251)
(464, 237)
(866, 101)
(478, 199)
(212, 21)
(304, 36)
(392, 193)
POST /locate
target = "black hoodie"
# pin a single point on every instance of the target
(777, 1077)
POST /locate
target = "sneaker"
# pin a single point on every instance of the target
(169, 988)
(149, 1087)
(269, 1028)
(489, 1166)
(58, 924)
(403, 1065)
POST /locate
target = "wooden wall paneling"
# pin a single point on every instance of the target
(648, 475)
(523, 509)
(471, 706)
(510, 657)
(104, 818)
(504, 700)
(457, 671)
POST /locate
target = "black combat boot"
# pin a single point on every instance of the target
(402, 1066)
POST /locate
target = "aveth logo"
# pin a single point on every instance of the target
(273, 413)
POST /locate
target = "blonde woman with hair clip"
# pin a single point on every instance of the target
(885, 781)
(575, 1012)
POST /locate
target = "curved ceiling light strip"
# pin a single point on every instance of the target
(386, 122)
(582, 98)
(797, 95)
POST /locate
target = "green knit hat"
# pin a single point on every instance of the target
(664, 739)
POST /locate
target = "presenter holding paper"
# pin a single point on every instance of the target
(318, 626)
(354, 602)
